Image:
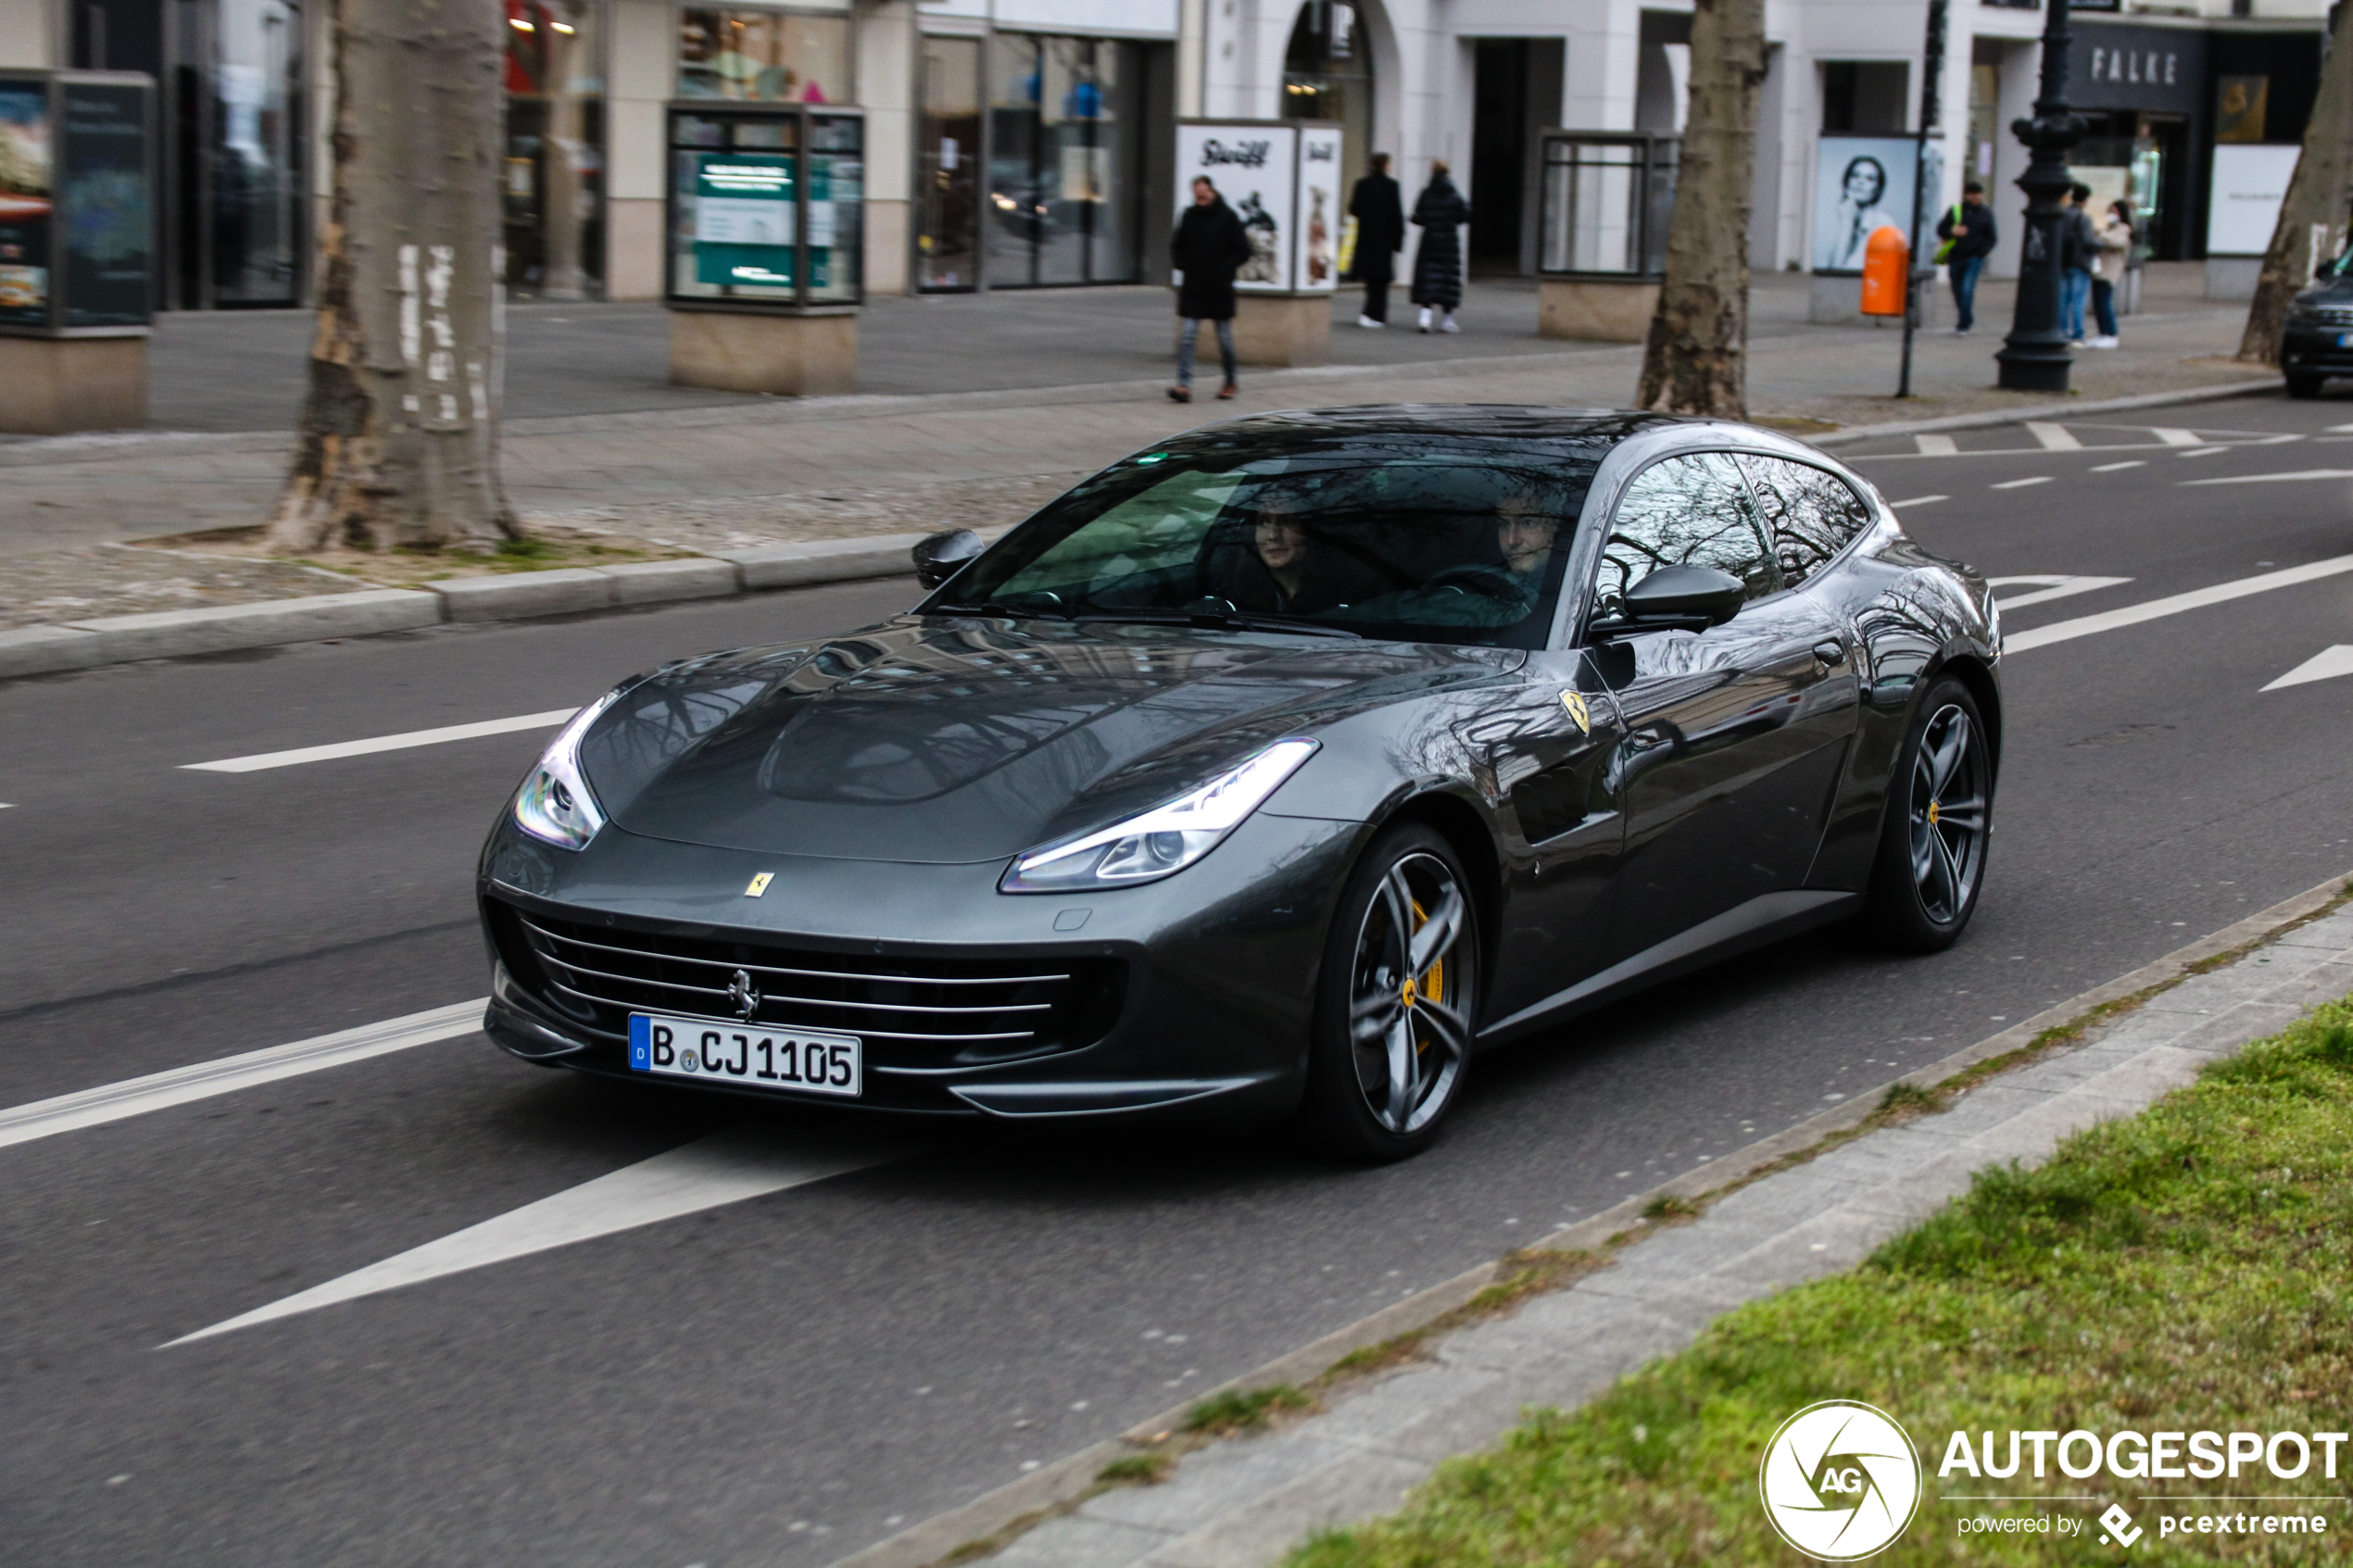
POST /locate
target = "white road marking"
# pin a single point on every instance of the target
(725, 1168)
(2055, 438)
(2272, 478)
(547, 720)
(2325, 664)
(2178, 437)
(2199, 452)
(1920, 500)
(156, 1091)
(1936, 446)
(2058, 587)
(2341, 429)
(2023, 483)
(2111, 468)
(2133, 615)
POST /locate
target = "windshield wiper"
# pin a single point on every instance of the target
(1005, 607)
(1218, 621)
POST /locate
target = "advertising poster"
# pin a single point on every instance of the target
(2249, 184)
(1252, 167)
(743, 220)
(26, 179)
(1861, 183)
(108, 236)
(1320, 203)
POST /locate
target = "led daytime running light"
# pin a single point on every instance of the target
(555, 804)
(1164, 840)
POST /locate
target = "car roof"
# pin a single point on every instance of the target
(1597, 428)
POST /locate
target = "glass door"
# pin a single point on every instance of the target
(555, 169)
(948, 163)
(239, 231)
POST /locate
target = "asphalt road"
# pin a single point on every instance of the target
(782, 1380)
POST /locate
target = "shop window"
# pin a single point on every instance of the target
(553, 186)
(1064, 160)
(768, 56)
(1866, 97)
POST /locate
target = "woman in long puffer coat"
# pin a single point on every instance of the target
(1440, 212)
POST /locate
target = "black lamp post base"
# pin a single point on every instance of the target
(2034, 368)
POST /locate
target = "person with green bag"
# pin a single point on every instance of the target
(1968, 236)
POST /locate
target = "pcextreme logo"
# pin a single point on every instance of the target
(1840, 1480)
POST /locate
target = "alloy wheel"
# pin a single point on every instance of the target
(1947, 814)
(1410, 994)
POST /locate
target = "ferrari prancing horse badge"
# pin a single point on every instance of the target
(1575, 703)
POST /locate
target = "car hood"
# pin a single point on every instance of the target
(954, 741)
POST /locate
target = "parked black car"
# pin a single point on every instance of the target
(1278, 768)
(2317, 340)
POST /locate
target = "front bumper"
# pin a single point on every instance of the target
(2324, 350)
(1198, 989)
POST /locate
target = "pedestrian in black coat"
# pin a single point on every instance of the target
(1440, 212)
(1209, 247)
(1380, 234)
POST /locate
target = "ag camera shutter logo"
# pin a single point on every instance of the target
(1840, 1481)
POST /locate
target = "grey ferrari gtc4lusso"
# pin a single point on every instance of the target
(1276, 769)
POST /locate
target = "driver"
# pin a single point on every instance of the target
(1524, 536)
(1285, 549)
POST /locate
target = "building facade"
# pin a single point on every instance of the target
(1026, 144)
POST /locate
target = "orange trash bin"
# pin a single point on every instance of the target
(1886, 257)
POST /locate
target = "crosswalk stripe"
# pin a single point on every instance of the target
(2053, 438)
(1936, 446)
(2178, 437)
(158, 1091)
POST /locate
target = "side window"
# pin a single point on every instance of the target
(1691, 510)
(1812, 514)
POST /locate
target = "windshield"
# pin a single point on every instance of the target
(1459, 541)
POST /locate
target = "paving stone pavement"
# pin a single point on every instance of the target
(1243, 1504)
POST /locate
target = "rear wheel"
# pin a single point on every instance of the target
(1931, 853)
(2303, 385)
(1397, 1001)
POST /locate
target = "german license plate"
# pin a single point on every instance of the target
(2345, 340)
(755, 1058)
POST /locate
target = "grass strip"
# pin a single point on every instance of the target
(2188, 1267)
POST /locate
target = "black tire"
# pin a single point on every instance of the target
(1939, 822)
(1417, 1045)
(2304, 384)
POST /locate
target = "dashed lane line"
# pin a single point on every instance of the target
(159, 1091)
(2153, 609)
(547, 720)
(2047, 588)
(729, 1167)
(1920, 500)
(2298, 475)
(2130, 463)
(2023, 483)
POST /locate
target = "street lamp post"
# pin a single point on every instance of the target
(2034, 357)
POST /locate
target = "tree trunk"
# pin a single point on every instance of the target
(399, 429)
(2312, 217)
(1696, 361)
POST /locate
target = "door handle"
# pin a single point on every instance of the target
(1829, 653)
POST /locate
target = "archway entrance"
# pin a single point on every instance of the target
(1328, 74)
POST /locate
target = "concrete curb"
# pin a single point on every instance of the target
(87, 645)
(1055, 1485)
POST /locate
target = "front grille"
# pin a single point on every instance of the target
(2328, 315)
(911, 1012)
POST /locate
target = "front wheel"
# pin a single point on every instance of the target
(1940, 813)
(1396, 1003)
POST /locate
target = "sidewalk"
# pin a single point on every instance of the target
(741, 473)
(1244, 1503)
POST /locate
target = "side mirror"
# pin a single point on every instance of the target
(943, 555)
(1676, 598)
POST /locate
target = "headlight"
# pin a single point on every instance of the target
(555, 803)
(1164, 840)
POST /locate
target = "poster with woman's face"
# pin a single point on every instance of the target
(1861, 183)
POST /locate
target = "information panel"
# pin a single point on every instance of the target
(25, 201)
(744, 208)
(108, 231)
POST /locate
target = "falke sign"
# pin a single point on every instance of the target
(2128, 67)
(2136, 66)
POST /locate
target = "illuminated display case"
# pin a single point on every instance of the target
(766, 207)
(77, 223)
